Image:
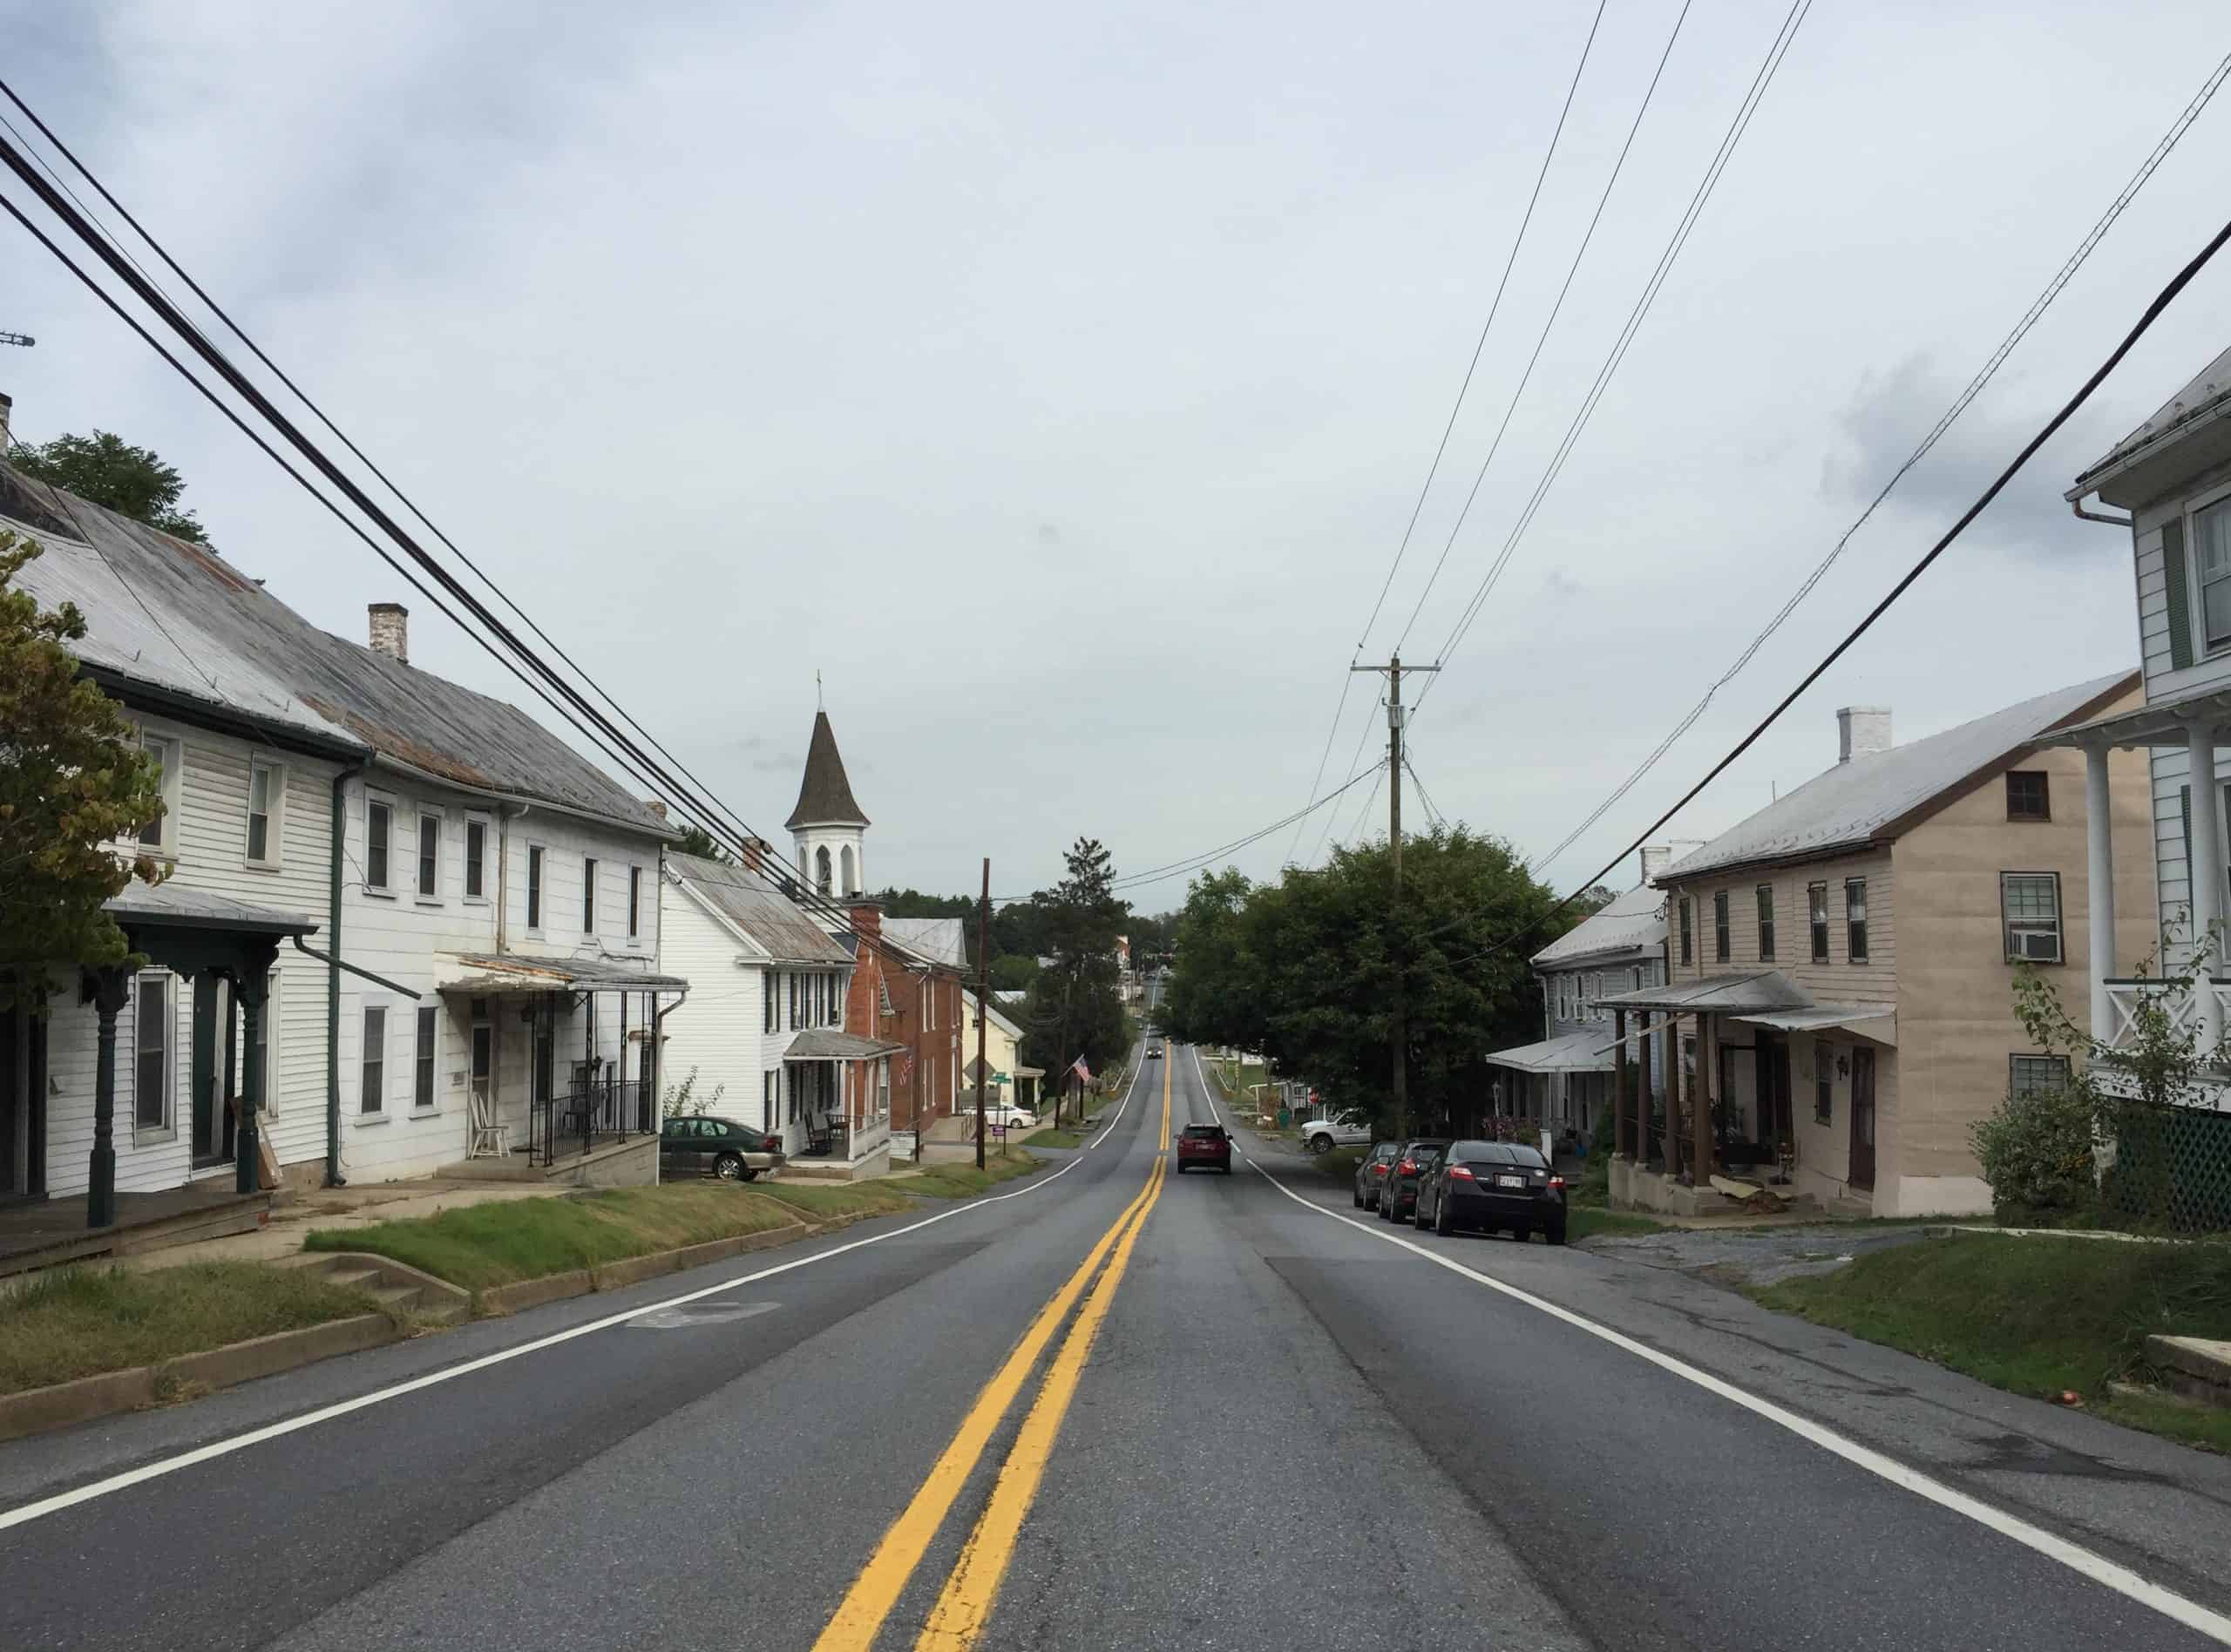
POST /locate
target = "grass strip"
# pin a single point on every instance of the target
(1052, 1138)
(482, 1245)
(823, 1201)
(79, 1322)
(2035, 1316)
(965, 1181)
(1591, 1221)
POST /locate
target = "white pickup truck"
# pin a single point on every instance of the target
(1341, 1130)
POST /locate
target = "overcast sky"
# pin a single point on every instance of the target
(1057, 380)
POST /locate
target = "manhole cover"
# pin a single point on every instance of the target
(700, 1313)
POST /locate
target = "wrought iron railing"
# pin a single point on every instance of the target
(602, 1109)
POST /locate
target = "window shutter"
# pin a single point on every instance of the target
(2172, 573)
(2185, 806)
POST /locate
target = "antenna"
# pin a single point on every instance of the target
(24, 339)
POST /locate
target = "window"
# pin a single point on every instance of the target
(266, 790)
(535, 889)
(1765, 923)
(1720, 937)
(2029, 906)
(151, 1050)
(634, 902)
(2036, 1075)
(422, 1077)
(371, 1092)
(1855, 919)
(588, 897)
(379, 829)
(476, 859)
(767, 1098)
(2212, 528)
(1635, 983)
(793, 981)
(1816, 901)
(1688, 938)
(821, 873)
(2028, 796)
(769, 990)
(430, 855)
(1824, 1080)
(159, 833)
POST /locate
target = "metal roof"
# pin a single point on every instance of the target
(1821, 1017)
(1758, 993)
(1846, 807)
(496, 972)
(182, 620)
(1634, 920)
(776, 924)
(939, 940)
(172, 903)
(1574, 1053)
(824, 795)
(2203, 396)
(827, 1044)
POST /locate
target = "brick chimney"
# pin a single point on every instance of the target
(867, 917)
(391, 631)
(758, 852)
(1861, 731)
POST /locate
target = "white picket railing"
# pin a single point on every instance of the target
(2124, 999)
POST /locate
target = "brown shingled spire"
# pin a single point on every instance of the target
(824, 796)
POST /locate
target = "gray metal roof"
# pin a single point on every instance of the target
(2202, 396)
(776, 922)
(496, 972)
(827, 1044)
(172, 903)
(182, 620)
(1846, 807)
(1634, 920)
(1574, 1053)
(940, 940)
(1757, 992)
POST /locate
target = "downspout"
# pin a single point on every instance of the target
(2077, 505)
(333, 1176)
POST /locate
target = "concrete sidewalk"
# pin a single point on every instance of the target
(340, 1208)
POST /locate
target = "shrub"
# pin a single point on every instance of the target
(2036, 1152)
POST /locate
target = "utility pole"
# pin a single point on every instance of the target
(1392, 671)
(983, 1000)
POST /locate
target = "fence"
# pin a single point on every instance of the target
(608, 1108)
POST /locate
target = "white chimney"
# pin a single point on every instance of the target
(1656, 858)
(1861, 731)
(391, 631)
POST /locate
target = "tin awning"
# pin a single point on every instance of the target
(1861, 1018)
(1574, 1053)
(487, 974)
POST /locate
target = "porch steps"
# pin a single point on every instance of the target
(396, 1286)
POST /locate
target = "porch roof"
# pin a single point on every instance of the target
(1574, 1053)
(827, 1044)
(2162, 723)
(1823, 1017)
(495, 973)
(169, 905)
(1758, 992)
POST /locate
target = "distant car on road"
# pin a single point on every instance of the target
(1371, 1173)
(1204, 1147)
(1154, 1052)
(1398, 1197)
(734, 1152)
(1341, 1130)
(1493, 1185)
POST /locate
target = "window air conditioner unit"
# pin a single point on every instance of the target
(2037, 947)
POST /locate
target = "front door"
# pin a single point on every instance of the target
(1862, 1119)
(1772, 1079)
(23, 1091)
(213, 1113)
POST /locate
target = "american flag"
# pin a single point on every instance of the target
(1083, 1073)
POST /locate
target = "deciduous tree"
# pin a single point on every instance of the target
(109, 471)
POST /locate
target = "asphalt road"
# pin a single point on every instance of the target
(1257, 1422)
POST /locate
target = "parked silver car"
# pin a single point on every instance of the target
(1342, 1130)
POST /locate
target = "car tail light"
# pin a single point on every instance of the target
(1460, 1173)
(1405, 1168)
(1556, 1181)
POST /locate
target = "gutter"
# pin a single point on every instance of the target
(649, 827)
(333, 1176)
(2076, 504)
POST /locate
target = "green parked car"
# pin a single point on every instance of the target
(690, 1145)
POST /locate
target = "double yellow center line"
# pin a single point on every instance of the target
(965, 1604)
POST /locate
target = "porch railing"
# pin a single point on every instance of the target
(602, 1110)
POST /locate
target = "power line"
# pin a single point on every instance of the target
(1571, 270)
(1347, 679)
(1974, 386)
(1768, 69)
(2153, 313)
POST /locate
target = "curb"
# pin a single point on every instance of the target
(36, 1409)
(582, 1282)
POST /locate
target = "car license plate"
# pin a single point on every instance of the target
(1511, 1181)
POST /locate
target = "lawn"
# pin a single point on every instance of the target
(1339, 1165)
(1050, 1137)
(823, 1200)
(2036, 1316)
(1593, 1221)
(77, 1321)
(497, 1244)
(965, 1181)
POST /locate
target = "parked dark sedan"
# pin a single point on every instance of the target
(734, 1152)
(1371, 1173)
(1493, 1185)
(1398, 1199)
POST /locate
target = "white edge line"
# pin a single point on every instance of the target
(1130, 1091)
(30, 1512)
(2097, 1567)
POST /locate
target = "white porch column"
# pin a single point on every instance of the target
(2099, 836)
(2204, 874)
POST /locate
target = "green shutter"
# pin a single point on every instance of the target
(2172, 572)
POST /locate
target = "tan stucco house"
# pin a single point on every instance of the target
(1841, 965)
